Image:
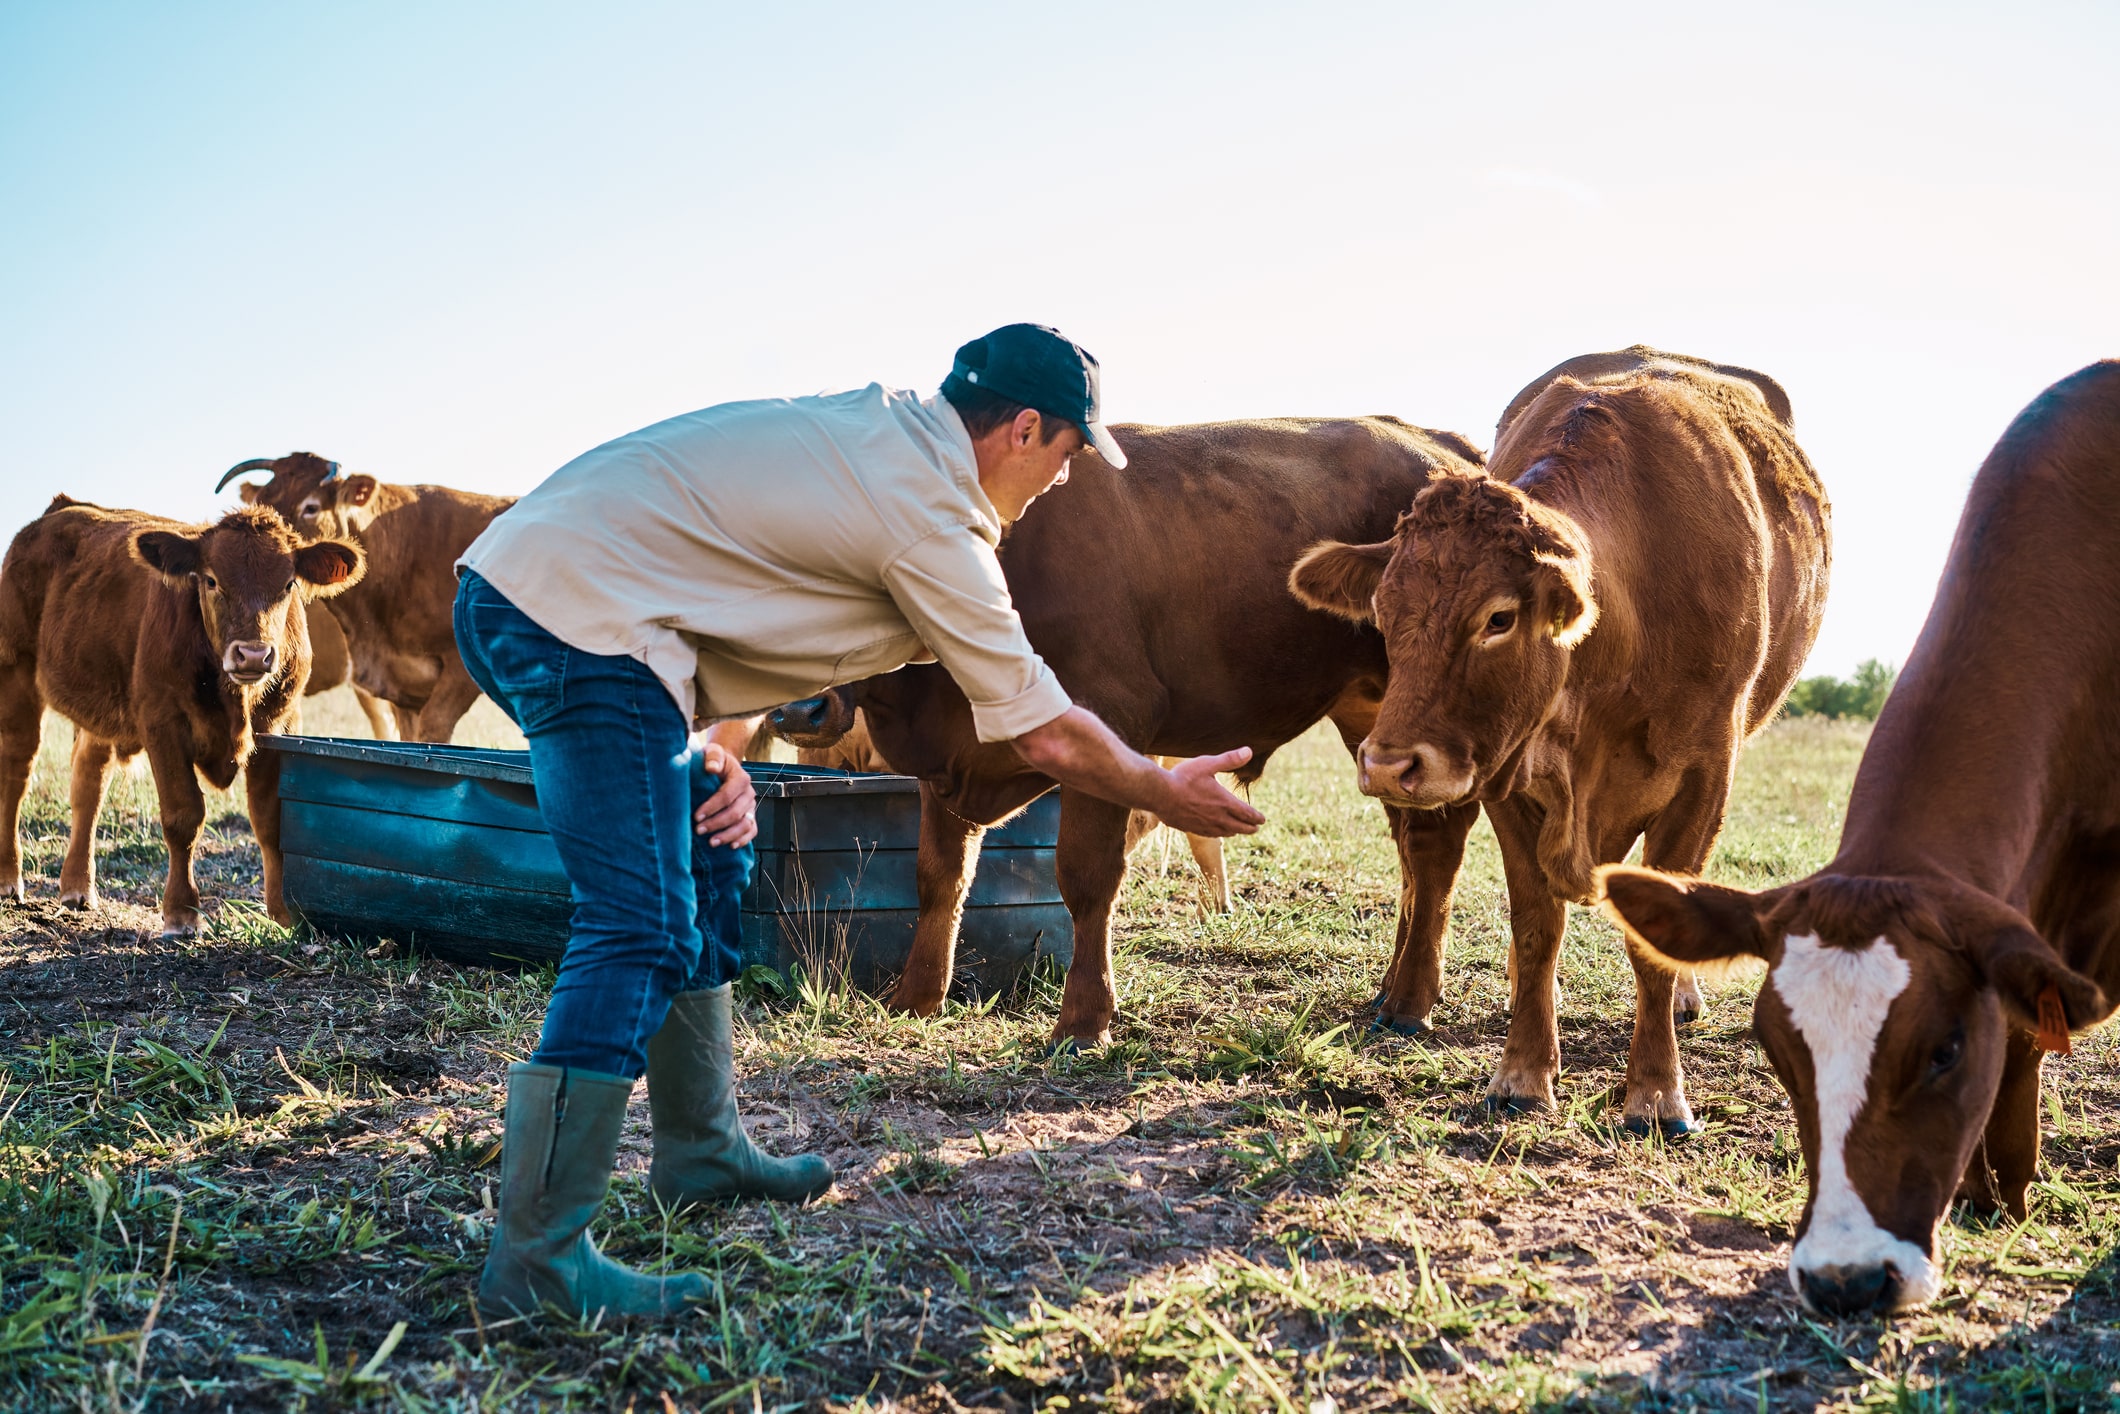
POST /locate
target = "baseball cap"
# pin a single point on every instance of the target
(1044, 369)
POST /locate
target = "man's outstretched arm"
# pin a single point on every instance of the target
(1079, 751)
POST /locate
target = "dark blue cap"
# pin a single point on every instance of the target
(1044, 369)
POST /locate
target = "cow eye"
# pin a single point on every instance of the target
(289, 589)
(309, 513)
(1947, 1055)
(1501, 621)
(212, 583)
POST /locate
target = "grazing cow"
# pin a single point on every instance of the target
(187, 641)
(1971, 916)
(856, 751)
(1157, 597)
(1581, 639)
(398, 618)
(331, 665)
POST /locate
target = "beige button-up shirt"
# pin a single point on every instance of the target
(757, 553)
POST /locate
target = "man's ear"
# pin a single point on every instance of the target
(2020, 966)
(329, 566)
(356, 491)
(1341, 579)
(1684, 923)
(1564, 595)
(172, 556)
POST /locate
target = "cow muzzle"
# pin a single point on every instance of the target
(1422, 777)
(814, 722)
(1851, 1290)
(250, 662)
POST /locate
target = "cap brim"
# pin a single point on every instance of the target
(1107, 445)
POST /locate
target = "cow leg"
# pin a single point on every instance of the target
(949, 851)
(408, 723)
(1431, 850)
(382, 717)
(93, 758)
(452, 697)
(183, 812)
(1678, 841)
(21, 725)
(1214, 873)
(1531, 1057)
(261, 785)
(1091, 860)
(2006, 1159)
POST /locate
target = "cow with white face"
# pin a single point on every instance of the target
(1893, 1011)
(1971, 918)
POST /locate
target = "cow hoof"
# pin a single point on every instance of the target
(1671, 1129)
(1411, 1026)
(1685, 1017)
(177, 932)
(80, 903)
(1513, 1105)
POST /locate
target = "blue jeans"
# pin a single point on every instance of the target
(655, 906)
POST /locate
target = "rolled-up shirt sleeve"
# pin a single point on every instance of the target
(950, 588)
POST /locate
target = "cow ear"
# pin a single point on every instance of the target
(1564, 588)
(329, 567)
(1684, 923)
(1341, 579)
(172, 556)
(248, 490)
(357, 491)
(2020, 966)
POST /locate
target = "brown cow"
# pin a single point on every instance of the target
(1974, 895)
(1581, 639)
(1157, 596)
(187, 641)
(331, 665)
(398, 619)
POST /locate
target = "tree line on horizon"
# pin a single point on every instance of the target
(1859, 696)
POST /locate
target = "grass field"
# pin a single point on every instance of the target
(256, 1171)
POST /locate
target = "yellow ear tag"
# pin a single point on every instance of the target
(2052, 1034)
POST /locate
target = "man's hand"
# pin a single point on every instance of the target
(1200, 806)
(730, 815)
(1079, 751)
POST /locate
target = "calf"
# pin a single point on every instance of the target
(1581, 638)
(1971, 916)
(1157, 597)
(185, 641)
(397, 619)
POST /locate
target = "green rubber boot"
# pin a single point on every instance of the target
(556, 1159)
(702, 1154)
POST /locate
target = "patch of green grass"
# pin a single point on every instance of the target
(256, 1169)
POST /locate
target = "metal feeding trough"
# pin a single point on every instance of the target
(442, 848)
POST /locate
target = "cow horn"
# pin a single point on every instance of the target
(254, 464)
(333, 474)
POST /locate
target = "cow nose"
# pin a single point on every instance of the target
(251, 659)
(1411, 772)
(1852, 1290)
(806, 716)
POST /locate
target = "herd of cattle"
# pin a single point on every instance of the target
(1576, 635)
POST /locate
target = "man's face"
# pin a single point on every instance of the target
(1017, 464)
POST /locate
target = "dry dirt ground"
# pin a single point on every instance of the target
(255, 1171)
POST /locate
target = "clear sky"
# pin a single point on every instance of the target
(460, 243)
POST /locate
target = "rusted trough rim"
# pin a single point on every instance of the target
(513, 767)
